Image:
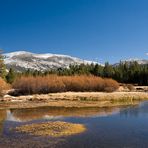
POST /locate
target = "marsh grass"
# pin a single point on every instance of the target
(54, 129)
(54, 83)
(125, 100)
(3, 87)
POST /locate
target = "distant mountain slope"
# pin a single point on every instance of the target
(139, 61)
(23, 60)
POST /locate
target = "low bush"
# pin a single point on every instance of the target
(130, 87)
(54, 83)
(3, 87)
(110, 85)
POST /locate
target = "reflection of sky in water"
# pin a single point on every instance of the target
(137, 111)
(10, 117)
(52, 117)
(106, 128)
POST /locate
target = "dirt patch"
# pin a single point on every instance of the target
(54, 129)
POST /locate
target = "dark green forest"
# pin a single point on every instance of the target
(126, 72)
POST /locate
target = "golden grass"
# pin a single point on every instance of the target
(3, 115)
(54, 129)
(3, 86)
(54, 83)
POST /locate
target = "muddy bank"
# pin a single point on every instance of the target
(74, 99)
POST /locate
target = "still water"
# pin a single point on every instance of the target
(106, 128)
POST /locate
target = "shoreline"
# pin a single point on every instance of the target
(74, 99)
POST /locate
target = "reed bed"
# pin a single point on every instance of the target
(53, 83)
(3, 87)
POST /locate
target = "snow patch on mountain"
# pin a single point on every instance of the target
(22, 60)
(128, 61)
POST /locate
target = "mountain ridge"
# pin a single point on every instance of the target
(22, 60)
(128, 61)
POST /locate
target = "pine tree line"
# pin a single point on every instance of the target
(124, 72)
(2, 66)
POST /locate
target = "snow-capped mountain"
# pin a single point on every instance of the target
(129, 61)
(22, 60)
(139, 61)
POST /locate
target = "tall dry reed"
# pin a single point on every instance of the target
(54, 83)
(3, 87)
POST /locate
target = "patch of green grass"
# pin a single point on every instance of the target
(125, 100)
(87, 99)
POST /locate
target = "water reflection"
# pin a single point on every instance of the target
(23, 115)
(3, 116)
(130, 124)
(135, 111)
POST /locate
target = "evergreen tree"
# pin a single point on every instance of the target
(123, 72)
(98, 70)
(108, 70)
(2, 66)
(10, 77)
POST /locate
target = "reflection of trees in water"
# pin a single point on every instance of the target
(3, 116)
(38, 113)
(1, 126)
(131, 111)
(135, 111)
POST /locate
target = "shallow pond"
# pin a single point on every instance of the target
(106, 127)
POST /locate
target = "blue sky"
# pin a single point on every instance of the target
(103, 30)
